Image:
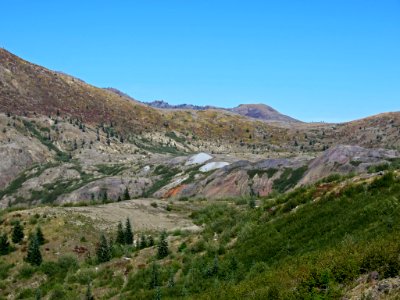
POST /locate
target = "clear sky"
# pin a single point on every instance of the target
(314, 60)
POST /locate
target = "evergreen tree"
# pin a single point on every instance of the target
(162, 250)
(89, 295)
(143, 242)
(38, 294)
(4, 245)
(126, 194)
(18, 233)
(157, 295)
(120, 235)
(128, 232)
(151, 241)
(40, 236)
(171, 280)
(105, 196)
(119, 199)
(215, 267)
(252, 202)
(103, 250)
(154, 281)
(34, 257)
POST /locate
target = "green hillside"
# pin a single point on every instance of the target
(313, 243)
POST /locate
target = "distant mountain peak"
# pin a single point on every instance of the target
(263, 112)
(257, 111)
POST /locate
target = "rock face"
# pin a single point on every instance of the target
(374, 289)
(345, 159)
(114, 187)
(18, 152)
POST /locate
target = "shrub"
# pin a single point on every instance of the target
(67, 263)
(26, 271)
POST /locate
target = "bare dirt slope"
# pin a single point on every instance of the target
(144, 215)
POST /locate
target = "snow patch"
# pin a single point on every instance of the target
(198, 158)
(213, 166)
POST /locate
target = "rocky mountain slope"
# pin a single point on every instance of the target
(70, 162)
(62, 140)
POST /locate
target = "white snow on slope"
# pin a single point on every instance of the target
(213, 166)
(198, 158)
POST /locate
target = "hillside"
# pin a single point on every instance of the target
(28, 89)
(284, 247)
(62, 141)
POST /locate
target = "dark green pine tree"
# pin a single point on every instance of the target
(157, 295)
(103, 250)
(128, 232)
(154, 281)
(40, 236)
(18, 233)
(252, 203)
(126, 194)
(105, 196)
(215, 267)
(120, 234)
(34, 257)
(151, 241)
(38, 294)
(171, 280)
(162, 249)
(143, 242)
(89, 295)
(4, 244)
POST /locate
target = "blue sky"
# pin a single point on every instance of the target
(314, 60)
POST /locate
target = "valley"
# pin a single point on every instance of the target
(241, 203)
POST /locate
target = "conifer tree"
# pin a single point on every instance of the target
(128, 232)
(38, 294)
(4, 244)
(120, 234)
(18, 233)
(162, 250)
(105, 196)
(154, 281)
(34, 257)
(89, 295)
(126, 194)
(171, 280)
(143, 242)
(215, 267)
(40, 236)
(151, 241)
(252, 203)
(103, 250)
(157, 295)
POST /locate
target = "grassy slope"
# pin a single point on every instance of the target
(339, 231)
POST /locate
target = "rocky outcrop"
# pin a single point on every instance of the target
(345, 159)
(114, 187)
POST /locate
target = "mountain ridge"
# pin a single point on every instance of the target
(259, 111)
